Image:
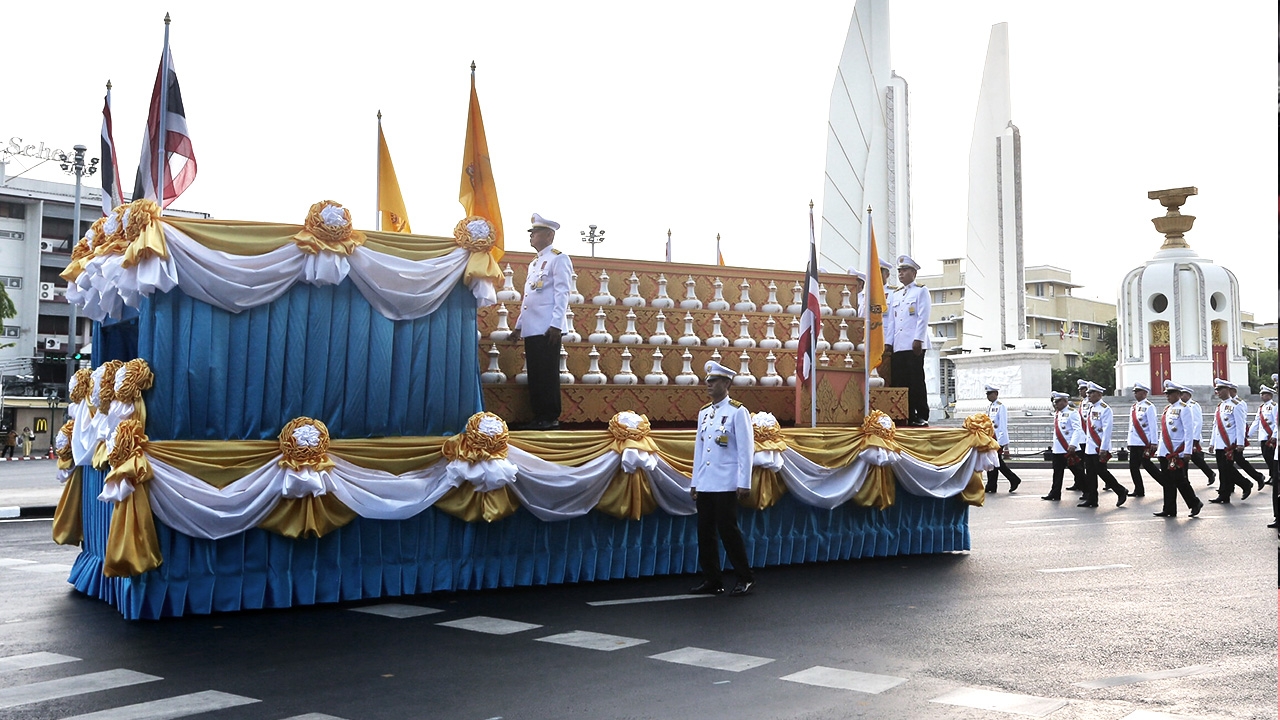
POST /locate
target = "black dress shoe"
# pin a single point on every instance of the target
(991, 491)
(1051, 497)
(1165, 514)
(1246, 491)
(707, 588)
(1137, 494)
(1086, 503)
(1013, 485)
(1123, 495)
(1220, 501)
(1274, 526)
(917, 423)
(742, 588)
(1074, 488)
(1196, 510)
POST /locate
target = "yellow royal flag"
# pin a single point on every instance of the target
(390, 202)
(875, 303)
(477, 193)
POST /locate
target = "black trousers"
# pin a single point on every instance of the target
(1228, 476)
(1002, 469)
(1138, 461)
(8, 451)
(1093, 470)
(1197, 459)
(1247, 467)
(1175, 481)
(1059, 466)
(718, 518)
(543, 359)
(907, 370)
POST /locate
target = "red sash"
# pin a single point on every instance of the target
(1133, 418)
(1222, 430)
(1266, 426)
(1164, 432)
(1093, 433)
(1057, 430)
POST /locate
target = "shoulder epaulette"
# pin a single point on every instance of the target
(704, 407)
(556, 251)
(735, 403)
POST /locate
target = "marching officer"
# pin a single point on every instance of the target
(722, 453)
(999, 415)
(1097, 450)
(1241, 414)
(1264, 428)
(1195, 425)
(1142, 440)
(1065, 426)
(1173, 449)
(906, 334)
(1082, 418)
(546, 297)
(1227, 441)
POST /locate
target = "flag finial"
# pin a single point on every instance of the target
(473, 68)
(108, 84)
(810, 203)
(717, 237)
(668, 233)
(379, 115)
(868, 208)
(166, 18)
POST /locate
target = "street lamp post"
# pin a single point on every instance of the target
(592, 237)
(75, 166)
(51, 395)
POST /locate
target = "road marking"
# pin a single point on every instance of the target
(1001, 701)
(1143, 677)
(18, 520)
(322, 716)
(10, 511)
(174, 707)
(69, 686)
(1045, 520)
(592, 641)
(1153, 715)
(397, 610)
(34, 660)
(45, 568)
(657, 598)
(714, 659)
(1084, 568)
(845, 679)
(490, 625)
(15, 562)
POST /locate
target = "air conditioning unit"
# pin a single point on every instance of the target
(52, 344)
(46, 246)
(46, 291)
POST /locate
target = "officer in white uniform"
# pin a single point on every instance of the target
(860, 288)
(1097, 450)
(999, 415)
(1066, 425)
(1195, 425)
(906, 335)
(1142, 438)
(1227, 439)
(546, 297)
(1264, 429)
(1241, 411)
(1173, 448)
(722, 453)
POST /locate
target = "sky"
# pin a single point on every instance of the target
(703, 118)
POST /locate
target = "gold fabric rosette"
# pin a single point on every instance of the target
(142, 234)
(132, 545)
(137, 378)
(766, 487)
(306, 510)
(300, 448)
(879, 490)
(629, 496)
(983, 439)
(328, 229)
(82, 252)
(474, 446)
(82, 385)
(106, 394)
(475, 234)
(68, 523)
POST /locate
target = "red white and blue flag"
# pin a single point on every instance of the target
(156, 156)
(111, 187)
(811, 316)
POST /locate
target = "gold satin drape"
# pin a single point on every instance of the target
(68, 522)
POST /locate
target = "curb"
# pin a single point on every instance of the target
(32, 511)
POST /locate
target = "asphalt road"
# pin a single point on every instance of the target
(1177, 619)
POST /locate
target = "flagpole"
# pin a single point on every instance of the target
(377, 201)
(866, 324)
(161, 159)
(813, 336)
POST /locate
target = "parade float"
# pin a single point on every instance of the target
(283, 415)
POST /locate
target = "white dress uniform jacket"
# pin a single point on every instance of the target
(1098, 433)
(1175, 431)
(546, 293)
(1082, 422)
(1067, 428)
(1195, 421)
(862, 304)
(999, 415)
(723, 448)
(907, 318)
(1264, 423)
(1240, 414)
(1224, 432)
(1142, 415)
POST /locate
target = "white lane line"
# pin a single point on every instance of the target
(10, 511)
(592, 641)
(322, 716)
(34, 660)
(67, 687)
(51, 568)
(1045, 520)
(1153, 715)
(399, 611)
(489, 625)
(657, 598)
(168, 708)
(714, 659)
(1001, 701)
(15, 562)
(845, 679)
(1143, 677)
(1084, 568)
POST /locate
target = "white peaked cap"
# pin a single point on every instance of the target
(991, 388)
(1219, 382)
(1264, 390)
(1081, 382)
(906, 261)
(540, 222)
(1095, 387)
(886, 264)
(1141, 386)
(859, 275)
(715, 369)
(1055, 395)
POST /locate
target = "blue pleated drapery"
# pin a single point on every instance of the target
(323, 352)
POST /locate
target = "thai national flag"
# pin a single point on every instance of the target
(111, 187)
(811, 316)
(176, 141)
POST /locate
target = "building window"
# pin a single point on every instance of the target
(1039, 289)
(13, 210)
(1071, 361)
(1084, 331)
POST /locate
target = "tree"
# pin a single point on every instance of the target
(1099, 367)
(1260, 372)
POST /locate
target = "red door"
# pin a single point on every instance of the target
(1159, 366)
(1220, 361)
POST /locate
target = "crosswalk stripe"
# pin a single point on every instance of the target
(592, 640)
(1153, 715)
(1001, 701)
(400, 611)
(168, 708)
(10, 511)
(714, 659)
(656, 598)
(14, 562)
(66, 687)
(314, 716)
(33, 660)
(845, 679)
(1084, 568)
(1143, 677)
(45, 568)
(490, 625)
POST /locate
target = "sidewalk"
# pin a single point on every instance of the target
(29, 488)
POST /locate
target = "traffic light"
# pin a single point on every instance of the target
(78, 356)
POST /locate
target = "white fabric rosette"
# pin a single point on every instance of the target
(83, 439)
(115, 490)
(634, 459)
(768, 459)
(488, 474)
(306, 480)
(60, 442)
